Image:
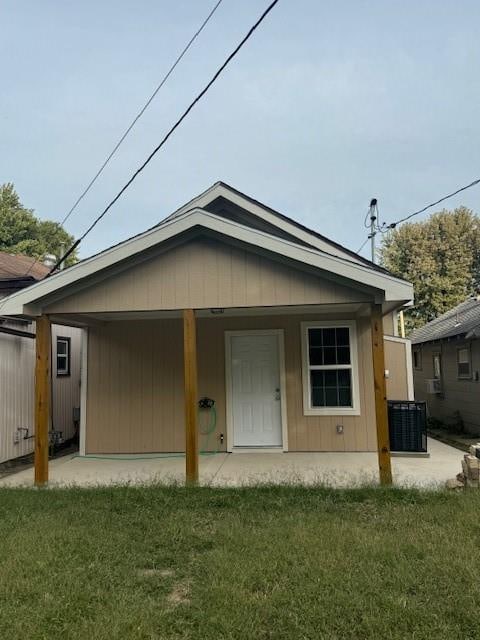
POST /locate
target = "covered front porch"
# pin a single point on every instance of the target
(143, 374)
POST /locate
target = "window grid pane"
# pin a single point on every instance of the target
(331, 388)
(61, 347)
(464, 369)
(63, 356)
(329, 346)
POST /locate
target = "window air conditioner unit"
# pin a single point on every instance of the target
(434, 385)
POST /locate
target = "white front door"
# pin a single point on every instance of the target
(255, 390)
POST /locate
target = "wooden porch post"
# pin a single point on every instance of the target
(381, 414)
(42, 398)
(191, 413)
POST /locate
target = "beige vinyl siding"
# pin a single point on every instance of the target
(389, 322)
(459, 395)
(206, 273)
(396, 364)
(135, 386)
(17, 373)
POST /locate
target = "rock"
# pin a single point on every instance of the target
(453, 483)
(473, 467)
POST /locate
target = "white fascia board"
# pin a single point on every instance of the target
(220, 190)
(14, 304)
(198, 202)
(394, 289)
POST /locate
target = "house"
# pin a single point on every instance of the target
(446, 361)
(17, 365)
(230, 300)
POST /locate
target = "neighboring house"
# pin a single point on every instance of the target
(17, 365)
(286, 324)
(446, 365)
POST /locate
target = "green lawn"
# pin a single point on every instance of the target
(272, 562)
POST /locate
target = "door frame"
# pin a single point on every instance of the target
(279, 333)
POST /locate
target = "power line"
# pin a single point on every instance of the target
(136, 119)
(433, 204)
(368, 238)
(142, 111)
(385, 227)
(168, 134)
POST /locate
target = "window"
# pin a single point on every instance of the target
(330, 377)
(417, 359)
(437, 366)
(463, 363)
(63, 356)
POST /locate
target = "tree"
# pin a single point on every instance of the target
(440, 257)
(22, 232)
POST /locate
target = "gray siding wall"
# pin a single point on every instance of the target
(459, 395)
(17, 363)
(66, 389)
(17, 373)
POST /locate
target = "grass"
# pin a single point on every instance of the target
(267, 562)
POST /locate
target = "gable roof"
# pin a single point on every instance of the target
(13, 270)
(305, 248)
(16, 266)
(279, 221)
(462, 320)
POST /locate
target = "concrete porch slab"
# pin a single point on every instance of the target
(339, 469)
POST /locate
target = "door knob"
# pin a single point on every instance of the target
(277, 394)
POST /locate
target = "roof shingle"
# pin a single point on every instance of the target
(16, 266)
(464, 319)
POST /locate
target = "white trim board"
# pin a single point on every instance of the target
(396, 339)
(29, 301)
(101, 318)
(265, 213)
(228, 387)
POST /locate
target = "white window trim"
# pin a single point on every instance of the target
(66, 370)
(464, 376)
(308, 410)
(437, 355)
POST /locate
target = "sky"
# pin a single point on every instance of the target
(329, 104)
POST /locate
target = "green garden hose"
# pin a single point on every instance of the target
(208, 430)
(205, 431)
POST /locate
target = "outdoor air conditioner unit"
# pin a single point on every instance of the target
(434, 385)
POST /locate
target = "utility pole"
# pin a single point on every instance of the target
(373, 218)
(375, 224)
